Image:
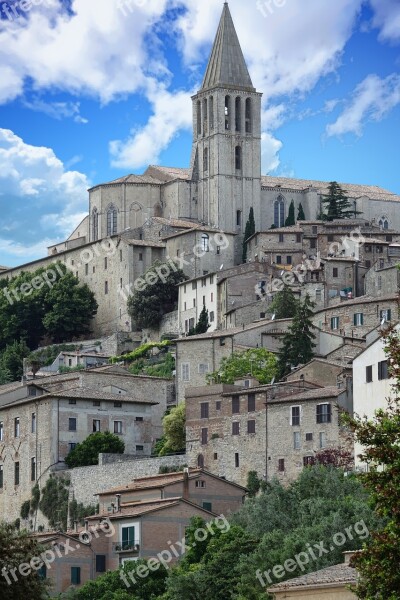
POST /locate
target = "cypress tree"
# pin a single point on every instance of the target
(338, 204)
(290, 218)
(250, 230)
(298, 343)
(300, 215)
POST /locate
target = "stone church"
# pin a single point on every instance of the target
(168, 212)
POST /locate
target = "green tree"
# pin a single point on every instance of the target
(257, 362)
(379, 437)
(250, 230)
(87, 452)
(285, 304)
(149, 305)
(338, 205)
(298, 342)
(300, 214)
(17, 548)
(54, 502)
(203, 323)
(174, 424)
(290, 220)
(11, 359)
(253, 483)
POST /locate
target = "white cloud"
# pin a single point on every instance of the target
(387, 19)
(35, 186)
(372, 100)
(57, 110)
(270, 148)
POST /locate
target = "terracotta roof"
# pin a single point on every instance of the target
(148, 243)
(354, 191)
(317, 394)
(359, 300)
(147, 506)
(141, 179)
(341, 574)
(231, 332)
(153, 481)
(168, 173)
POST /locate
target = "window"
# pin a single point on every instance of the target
(248, 115)
(111, 221)
(389, 238)
(205, 116)
(205, 160)
(330, 238)
(139, 419)
(204, 410)
(324, 413)
(71, 401)
(238, 114)
(96, 403)
(16, 427)
(1, 431)
(281, 465)
(227, 112)
(279, 212)
(118, 427)
(295, 416)
(198, 118)
(298, 238)
(96, 425)
(335, 272)
(200, 461)
(368, 374)
(281, 238)
(381, 263)
(120, 256)
(105, 263)
(309, 437)
(383, 370)
(185, 372)
(279, 260)
(211, 104)
(386, 314)
(314, 229)
(75, 575)
(86, 269)
(235, 428)
(71, 446)
(194, 285)
(334, 323)
(368, 264)
(251, 402)
(288, 260)
(251, 426)
(212, 316)
(379, 282)
(204, 436)
(33, 423)
(207, 506)
(200, 484)
(72, 424)
(33, 468)
(218, 249)
(215, 455)
(106, 288)
(322, 439)
(218, 405)
(318, 294)
(117, 404)
(128, 537)
(235, 405)
(308, 460)
(1, 477)
(237, 460)
(100, 563)
(358, 319)
(16, 473)
(296, 440)
(205, 243)
(95, 224)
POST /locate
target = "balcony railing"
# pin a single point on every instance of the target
(126, 547)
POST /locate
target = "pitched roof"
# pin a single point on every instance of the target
(341, 574)
(137, 509)
(227, 66)
(152, 481)
(354, 190)
(316, 394)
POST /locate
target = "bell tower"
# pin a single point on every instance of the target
(226, 157)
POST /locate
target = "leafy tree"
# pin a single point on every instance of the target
(290, 220)
(378, 563)
(257, 362)
(253, 483)
(335, 457)
(54, 502)
(250, 230)
(5, 374)
(298, 345)
(17, 548)
(11, 359)
(148, 306)
(338, 205)
(300, 214)
(174, 431)
(87, 452)
(203, 323)
(285, 304)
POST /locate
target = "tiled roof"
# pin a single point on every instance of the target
(354, 191)
(169, 173)
(86, 393)
(359, 300)
(150, 244)
(317, 394)
(337, 575)
(141, 179)
(175, 222)
(136, 509)
(154, 481)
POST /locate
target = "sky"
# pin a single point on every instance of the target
(91, 90)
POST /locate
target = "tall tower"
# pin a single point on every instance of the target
(226, 157)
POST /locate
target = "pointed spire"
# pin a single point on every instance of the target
(227, 67)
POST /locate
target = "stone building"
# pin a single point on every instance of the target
(274, 430)
(194, 294)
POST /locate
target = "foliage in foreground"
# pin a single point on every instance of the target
(87, 452)
(174, 439)
(256, 362)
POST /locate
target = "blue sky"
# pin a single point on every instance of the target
(92, 90)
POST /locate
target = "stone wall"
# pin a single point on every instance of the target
(87, 481)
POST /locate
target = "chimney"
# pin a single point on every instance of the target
(86, 525)
(76, 526)
(186, 484)
(118, 502)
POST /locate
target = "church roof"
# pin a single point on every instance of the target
(227, 67)
(354, 191)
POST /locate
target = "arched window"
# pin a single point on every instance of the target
(205, 117)
(200, 461)
(227, 112)
(238, 114)
(279, 212)
(199, 118)
(238, 158)
(95, 225)
(205, 242)
(111, 220)
(212, 112)
(205, 160)
(248, 116)
(384, 223)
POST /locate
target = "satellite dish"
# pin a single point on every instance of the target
(273, 317)
(221, 267)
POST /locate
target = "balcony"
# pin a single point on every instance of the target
(130, 547)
